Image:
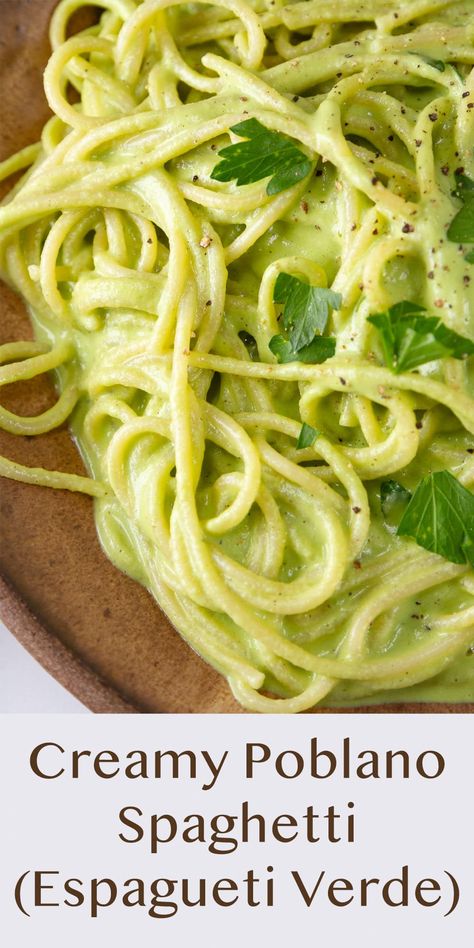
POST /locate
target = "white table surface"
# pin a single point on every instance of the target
(25, 687)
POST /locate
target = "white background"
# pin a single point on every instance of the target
(26, 686)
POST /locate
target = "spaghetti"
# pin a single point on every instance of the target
(151, 286)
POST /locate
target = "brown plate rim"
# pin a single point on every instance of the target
(57, 659)
(67, 668)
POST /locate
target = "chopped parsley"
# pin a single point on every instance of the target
(306, 308)
(307, 436)
(320, 349)
(409, 338)
(263, 153)
(461, 228)
(305, 314)
(435, 63)
(392, 494)
(464, 186)
(393, 501)
(440, 518)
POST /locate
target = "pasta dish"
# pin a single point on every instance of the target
(246, 242)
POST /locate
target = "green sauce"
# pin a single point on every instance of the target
(374, 216)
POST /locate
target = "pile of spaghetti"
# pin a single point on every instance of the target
(244, 240)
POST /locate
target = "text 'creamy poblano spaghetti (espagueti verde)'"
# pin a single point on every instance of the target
(247, 246)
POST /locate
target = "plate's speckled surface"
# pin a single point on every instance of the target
(95, 630)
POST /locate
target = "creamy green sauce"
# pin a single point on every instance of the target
(314, 232)
(113, 308)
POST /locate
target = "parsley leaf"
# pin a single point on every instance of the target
(464, 186)
(306, 308)
(440, 517)
(409, 338)
(305, 313)
(457, 71)
(435, 63)
(307, 436)
(461, 228)
(264, 153)
(469, 258)
(320, 349)
(393, 500)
